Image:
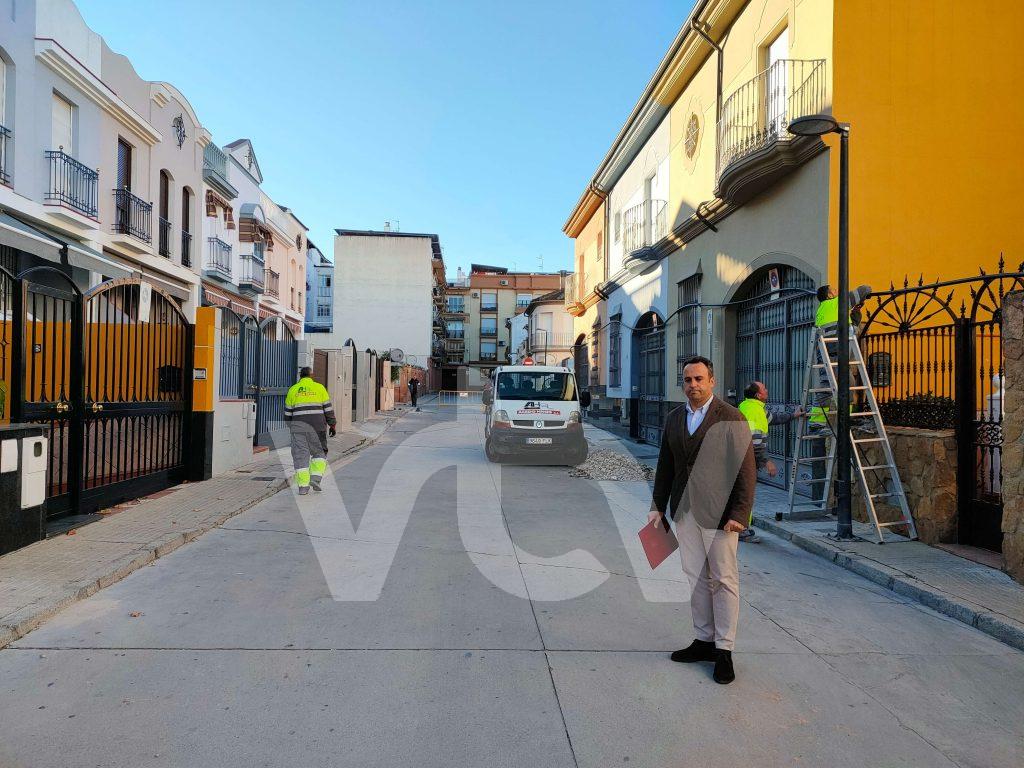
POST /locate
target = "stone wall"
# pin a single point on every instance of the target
(1013, 434)
(926, 460)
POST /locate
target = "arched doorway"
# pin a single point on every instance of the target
(648, 378)
(774, 322)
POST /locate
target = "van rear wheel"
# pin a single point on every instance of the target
(578, 455)
(492, 455)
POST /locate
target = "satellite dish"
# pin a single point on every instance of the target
(412, 359)
(397, 356)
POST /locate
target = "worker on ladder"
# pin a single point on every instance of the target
(309, 413)
(760, 418)
(827, 322)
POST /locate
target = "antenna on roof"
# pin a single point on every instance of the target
(540, 260)
(387, 226)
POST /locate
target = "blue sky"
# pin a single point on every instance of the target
(481, 121)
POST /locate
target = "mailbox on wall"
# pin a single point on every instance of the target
(24, 455)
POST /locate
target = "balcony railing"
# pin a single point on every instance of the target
(488, 355)
(760, 110)
(252, 274)
(455, 308)
(5, 134)
(215, 163)
(164, 237)
(541, 339)
(71, 183)
(456, 333)
(186, 249)
(218, 257)
(273, 283)
(488, 332)
(133, 215)
(489, 306)
(643, 225)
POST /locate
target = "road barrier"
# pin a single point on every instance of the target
(457, 397)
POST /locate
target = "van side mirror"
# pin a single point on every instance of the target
(585, 398)
(487, 398)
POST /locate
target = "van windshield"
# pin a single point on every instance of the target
(535, 385)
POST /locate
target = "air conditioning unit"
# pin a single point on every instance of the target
(475, 295)
(501, 343)
(503, 282)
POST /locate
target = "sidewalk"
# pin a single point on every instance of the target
(983, 597)
(44, 578)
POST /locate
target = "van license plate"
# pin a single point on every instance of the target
(538, 441)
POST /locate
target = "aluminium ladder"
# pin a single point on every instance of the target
(886, 474)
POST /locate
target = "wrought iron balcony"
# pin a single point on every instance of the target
(753, 136)
(133, 215)
(542, 339)
(186, 249)
(643, 225)
(273, 283)
(488, 355)
(164, 237)
(218, 259)
(455, 308)
(215, 166)
(456, 333)
(251, 278)
(489, 306)
(71, 183)
(5, 135)
(488, 332)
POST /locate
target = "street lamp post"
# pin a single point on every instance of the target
(819, 125)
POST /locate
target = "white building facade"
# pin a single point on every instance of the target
(319, 291)
(92, 154)
(383, 290)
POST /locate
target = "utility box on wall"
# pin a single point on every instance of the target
(24, 454)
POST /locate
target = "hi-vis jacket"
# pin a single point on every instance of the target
(759, 418)
(307, 402)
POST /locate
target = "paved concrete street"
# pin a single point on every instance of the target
(444, 611)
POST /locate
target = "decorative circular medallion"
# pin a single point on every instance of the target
(692, 136)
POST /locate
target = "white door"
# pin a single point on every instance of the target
(62, 136)
(776, 83)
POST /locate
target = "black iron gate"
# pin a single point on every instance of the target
(774, 324)
(649, 343)
(934, 355)
(108, 372)
(276, 370)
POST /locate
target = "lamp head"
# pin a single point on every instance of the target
(814, 125)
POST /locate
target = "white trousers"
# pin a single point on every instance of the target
(709, 562)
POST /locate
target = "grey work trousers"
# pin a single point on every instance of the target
(308, 454)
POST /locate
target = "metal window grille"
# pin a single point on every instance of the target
(689, 323)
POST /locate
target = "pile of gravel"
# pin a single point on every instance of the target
(603, 464)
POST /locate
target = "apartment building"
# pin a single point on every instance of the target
(477, 308)
(254, 259)
(319, 291)
(549, 331)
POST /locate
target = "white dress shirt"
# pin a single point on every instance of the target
(694, 418)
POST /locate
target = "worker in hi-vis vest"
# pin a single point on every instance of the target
(760, 418)
(827, 321)
(308, 411)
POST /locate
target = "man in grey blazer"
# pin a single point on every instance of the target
(705, 480)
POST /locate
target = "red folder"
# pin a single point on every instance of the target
(658, 541)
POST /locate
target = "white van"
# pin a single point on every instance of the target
(535, 412)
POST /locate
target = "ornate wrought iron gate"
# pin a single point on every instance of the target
(774, 323)
(108, 372)
(934, 354)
